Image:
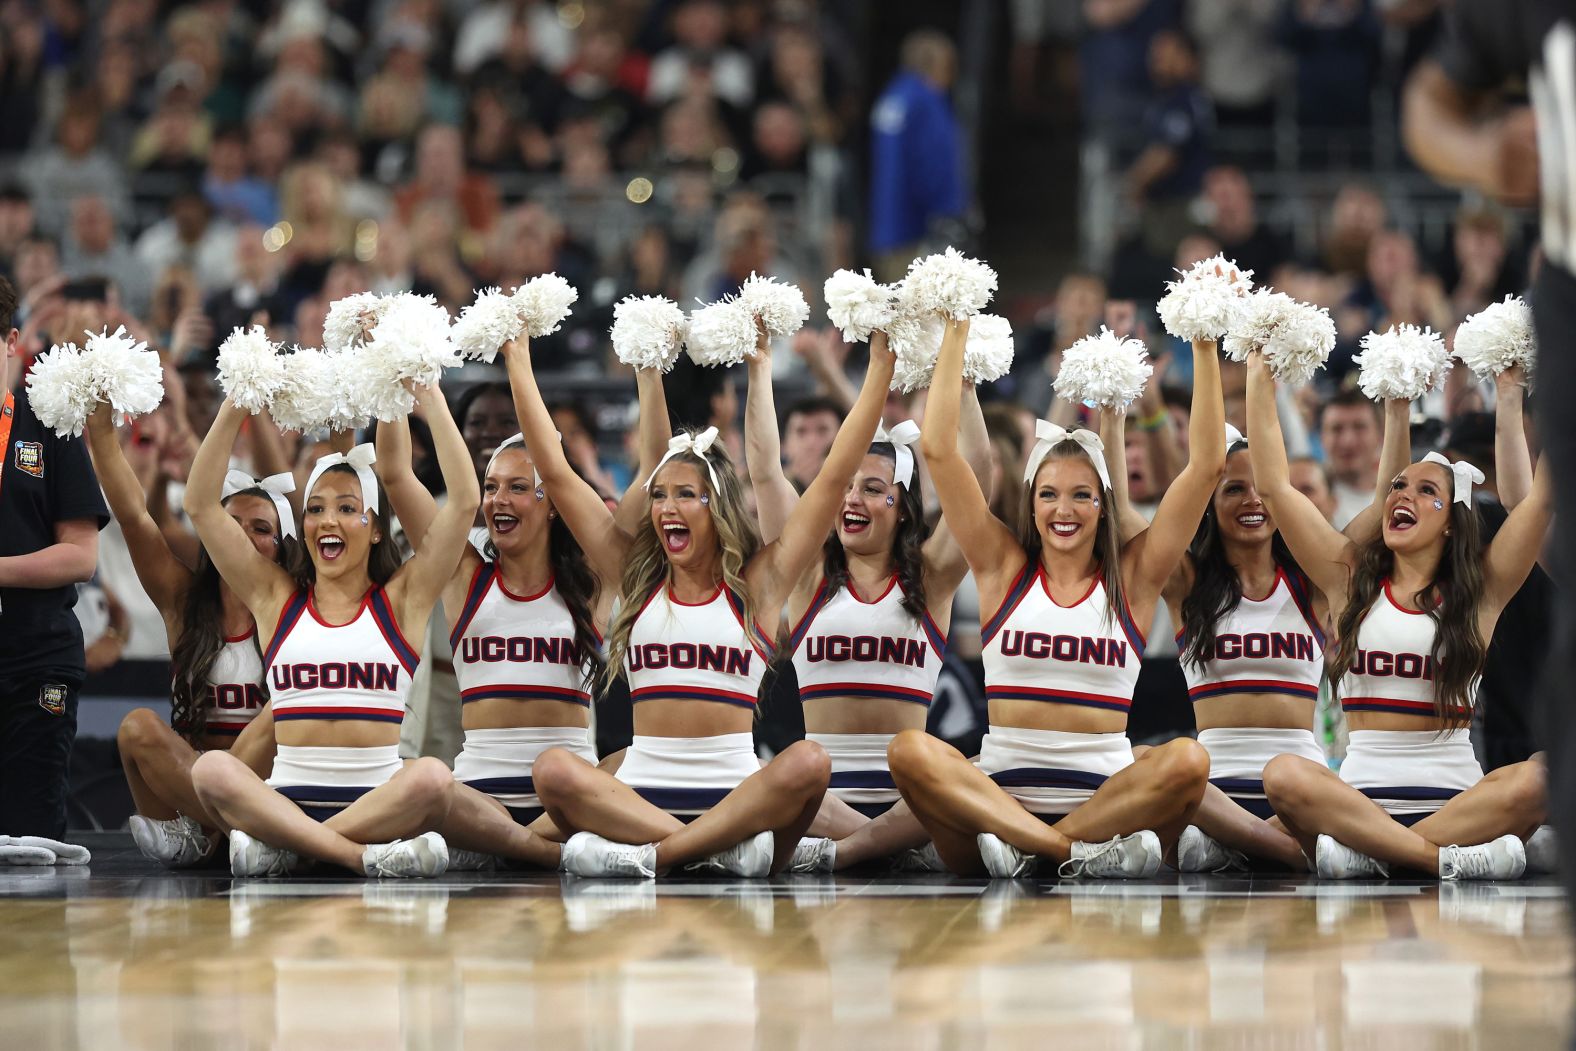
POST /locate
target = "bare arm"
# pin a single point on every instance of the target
(1393, 459)
(161, 574)
(413, 505)
(1113, 435)
(1323, 552)
(257, 581)
(655, 430)
(943, 554)
(1442, 131)
(71, 559)
(584, 511)
(1512, 458)
(1516, 546)
(775, 496)
(268, 452)
(775, 570)
(418, 583)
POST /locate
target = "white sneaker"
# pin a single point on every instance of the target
(176, 843)
(750, 859)
(919, 859)
(814, 854)
(425, 856)
(1504, 858)
(471, 861)
(1136, 856)
(1543, 852)
(1002, 859)
(253, 857)
(1198, 852)
(1338, 861)
(588, 854)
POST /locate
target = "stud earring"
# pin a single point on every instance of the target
(541, 494)
(552, 515)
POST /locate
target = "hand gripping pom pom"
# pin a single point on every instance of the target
(916, 342)
(1203, 303)
(948, 283)
(987, 356)
(1497, 338)
(780, 307)
(250, 368)
(486, 325)
(412, 342)
(858, 305)
(1405, 362)
(721, 334)
(351, 320)
(544, 303)
(648, 332)
(1296, 338)
(1103, 370)
(125, 372)
(60, 390)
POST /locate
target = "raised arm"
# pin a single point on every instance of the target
(418, 583)
(774, 571)
(1155, 554)
(1516, 546)
(1113, 435)
(943, 553)
(257, 581)
(775, 496)
(413, 504)
(1393, 459)
(1323, 552)
(584, 511)
(1512, 458)
(161, 574)
(652, 439)
(989, 547)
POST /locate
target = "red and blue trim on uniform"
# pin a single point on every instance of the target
(828, 690)
(288, 617)
(1085, 700)
(1301, 590)
(384, 616)
(526, 693)
(1020, 587)
(691, 693)
(1124, 617)
(1392, 706)
(321, 802)
(1209, 690)
(823, 595)
(481, 580)
(339, 711)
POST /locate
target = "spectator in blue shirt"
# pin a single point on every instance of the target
(916, 169)
(1169, 172)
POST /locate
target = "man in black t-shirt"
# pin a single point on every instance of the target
(51, 511)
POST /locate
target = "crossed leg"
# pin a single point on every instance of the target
(955, 801)
(1312, 800)
(158, 763)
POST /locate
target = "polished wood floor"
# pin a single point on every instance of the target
(119, 957)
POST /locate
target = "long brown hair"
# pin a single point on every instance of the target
(1107, 541)
(908, 543)
(646, 569)
(1450, 600)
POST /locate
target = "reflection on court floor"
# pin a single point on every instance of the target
(115, 958)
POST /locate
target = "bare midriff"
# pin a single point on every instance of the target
(504, 713)
(1051, 715)
(686, 717)
(335, 733)
(1270, 711)
(862, 715)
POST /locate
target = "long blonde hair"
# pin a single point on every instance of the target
(1107, 539)
(647, 566)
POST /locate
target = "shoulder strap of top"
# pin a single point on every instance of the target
(287, 621)
(481, 580)
(1020, 587)
(383, 613)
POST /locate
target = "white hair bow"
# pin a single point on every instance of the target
(275, 485)
(360, 459)
(1465, 475)
(902, 438)
(686, 442)
(510, 442)
(1234, 437)
(1048, 435)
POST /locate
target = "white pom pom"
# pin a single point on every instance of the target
(412, 342)
(987, 356)
(1255, 320)
(487, 324)
(916, 341)
(544, 302)
(250, 368)
(351, 320)
(1296, 338)
(1404, 362)
(780, 306)
(1497, 337)
(949, 283)
(721, 334)
(858, 305)
(1103, 370)
(125, 372)
(60, 390)
(1204, 302)
(316, 392)
(648, 332)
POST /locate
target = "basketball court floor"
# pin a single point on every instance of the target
(122, 956)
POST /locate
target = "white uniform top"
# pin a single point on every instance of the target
(1036, 650)
(1267, 645)
(359, 670)
(1393, 670)
(844, 646)
(694, 652)
(520, 647)
(235, 687)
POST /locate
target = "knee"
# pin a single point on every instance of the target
(802, 769)
(427, 780)
(1287, 781)
(139, 730)
(1182, 766)
(911, 754)
(216, 776)
(557, 773)
(1529, 790)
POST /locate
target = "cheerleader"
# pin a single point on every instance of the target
(338, 666)
(869, 624)
(526, 620)
(1413, 611)
(1056, 776)
(218, 699)
(701, 599)
(1252, 644)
